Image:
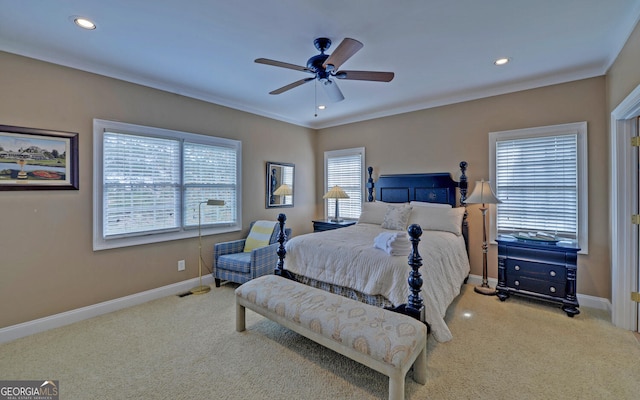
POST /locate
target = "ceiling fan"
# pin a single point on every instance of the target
(325, 67)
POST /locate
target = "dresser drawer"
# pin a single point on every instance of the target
(554, 289)
(535, 270)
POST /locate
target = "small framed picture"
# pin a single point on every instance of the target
(37, 159)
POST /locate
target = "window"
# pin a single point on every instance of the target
(149, 184)
(540, 175)
(345, 168)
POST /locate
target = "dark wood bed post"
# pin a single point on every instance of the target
(415, 306)
(282, 237)
(464, 185)
(370, 184)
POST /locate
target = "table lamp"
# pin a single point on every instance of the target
(336, 192)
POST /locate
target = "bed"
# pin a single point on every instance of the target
(344, 261)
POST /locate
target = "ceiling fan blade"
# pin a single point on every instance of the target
(291, 86)
(332, 90)
(365, 76)
(282, 64)
(347, 48)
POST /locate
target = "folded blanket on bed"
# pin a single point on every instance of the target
(393, 243)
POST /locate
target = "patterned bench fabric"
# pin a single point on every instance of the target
(383, 335)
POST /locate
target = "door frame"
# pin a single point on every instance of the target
(623, 185)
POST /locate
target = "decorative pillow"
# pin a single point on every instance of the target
(427, 204)
(259, 235)
(396, 217)
(438, 219)
(373, 213)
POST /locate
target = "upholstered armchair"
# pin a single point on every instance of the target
(232, 263)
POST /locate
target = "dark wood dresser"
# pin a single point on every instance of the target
(327, 225)
(546, 271)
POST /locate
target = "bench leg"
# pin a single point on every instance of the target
(240, 317)
(420, 367)
(396, 388)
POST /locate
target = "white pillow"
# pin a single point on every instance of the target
(373, 213)
(397, 217)
(427, 204)
(438, 219)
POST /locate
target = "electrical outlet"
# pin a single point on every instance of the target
(181, 265)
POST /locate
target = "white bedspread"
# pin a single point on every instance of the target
(346, 257)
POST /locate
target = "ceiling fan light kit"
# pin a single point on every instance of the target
(324, 67)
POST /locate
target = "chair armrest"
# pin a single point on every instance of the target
(234, 246)
(264, 260)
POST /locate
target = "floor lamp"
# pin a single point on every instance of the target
(483, 194)
(202, 289)
(336, 192)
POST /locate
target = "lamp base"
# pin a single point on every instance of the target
(486, 290)
(201, 290)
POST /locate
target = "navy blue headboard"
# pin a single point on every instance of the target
(436, 187)
(432, 188)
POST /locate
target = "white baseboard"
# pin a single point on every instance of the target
(55, 321)
(585, 300)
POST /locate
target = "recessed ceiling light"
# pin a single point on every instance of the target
(84, 23)
(321, 107)
(502, 61)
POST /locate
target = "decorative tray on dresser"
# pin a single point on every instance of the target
(327, 225)
(539, 268)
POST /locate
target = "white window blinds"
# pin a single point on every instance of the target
(152, 184)
(540, 175)
(536, 179)
(141, 178)
(345, 169)
(209, 173)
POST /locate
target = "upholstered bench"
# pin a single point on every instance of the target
(383, 340)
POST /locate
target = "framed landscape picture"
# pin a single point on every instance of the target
(33, 159)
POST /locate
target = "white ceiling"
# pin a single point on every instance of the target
(441, 51)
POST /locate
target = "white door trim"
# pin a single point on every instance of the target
(623, 201)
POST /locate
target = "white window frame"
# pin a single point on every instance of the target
(577, 128)
(343, 153)
(100, 242)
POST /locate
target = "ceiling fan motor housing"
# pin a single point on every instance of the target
(315, 64)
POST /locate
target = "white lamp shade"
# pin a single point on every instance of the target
(482, 194)
(336, 192)
(283, 190)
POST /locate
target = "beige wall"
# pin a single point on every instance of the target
(624, 75)
(438, 139)
(47, 264)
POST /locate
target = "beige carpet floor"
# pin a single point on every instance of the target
(187, 348)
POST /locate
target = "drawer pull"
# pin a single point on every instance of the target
(517, 268)
(517, 283)
(552, 273)
(552, 289)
